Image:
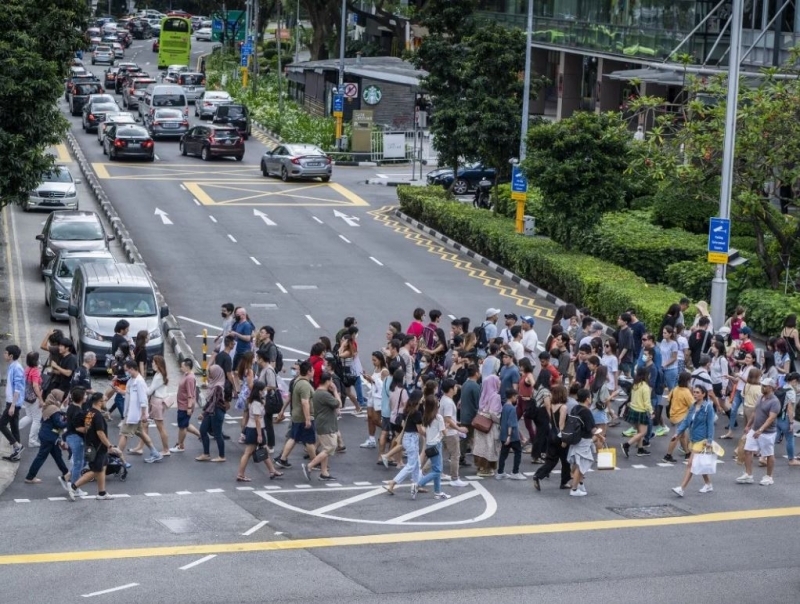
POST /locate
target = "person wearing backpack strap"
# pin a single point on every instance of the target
(34, 401)
(580, 455)
(785, 421)
(556, 450)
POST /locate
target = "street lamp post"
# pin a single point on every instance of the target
(342, 31)
(297, 35)
(522, 196)
(719, 285)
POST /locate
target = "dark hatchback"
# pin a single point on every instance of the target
(233, 114)
(96, 110)
(80, 93)
(466, 180)
(128, 140)
(212, 141)
(71, 230)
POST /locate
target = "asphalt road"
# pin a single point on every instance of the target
(184, 531)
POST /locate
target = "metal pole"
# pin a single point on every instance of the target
(719, 285)
(342, 31)
(297, 35)
(526, 88)
(280, 63)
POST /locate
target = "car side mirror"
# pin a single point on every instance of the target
(110, 237)
(164, 311)
(48, 272)
(40, 237)
(72, 310)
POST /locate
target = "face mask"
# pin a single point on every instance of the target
(224, 315)
(294, 372)
(127, 374)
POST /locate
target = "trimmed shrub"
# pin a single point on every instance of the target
(767, 308)
(680, 204)
(692, 277)
(605, 288)
(533, 207)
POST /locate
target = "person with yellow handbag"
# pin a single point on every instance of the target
(699, 422)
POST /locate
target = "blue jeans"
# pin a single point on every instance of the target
(411, 447)
(47, 448)
(360, 393)
(436, 472)
(76, 445)
(214, 422)
(119, 404)
(737, 402)
(785, 430)
(670, 377)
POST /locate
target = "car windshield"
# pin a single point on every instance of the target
(235, 111)
(217, 96)
(103, 49)
(139, 85)
(169, 100)
(167, 114)
(305, 150)
(226, 134)
(120, 302)
(58, 175)
(76, 230)
(105, 107)
(131, 132)
(85, 89)
(68, 265)
(103, 98)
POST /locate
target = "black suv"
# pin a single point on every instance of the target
(236, 115)
(140, 30)
(79, 95)
(96, 110)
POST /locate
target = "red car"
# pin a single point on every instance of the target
(179, 13)
(155, 44)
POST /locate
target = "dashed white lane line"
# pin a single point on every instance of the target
(362, 484)
(108, 591)
(183, 492)
(312, 321)
(56, 499)
(212, 219)
(376, 261)
(152, 494)
(255, 261)
(22, 501)
(182, 187)
(414, 289)
(198, 562)
(197, 203)
(317, 219)
(215, 490)
(157, 157)
(231, 237)
(282, 288)
(345, 239)
(250, 531)
(302, 486)
(245, 488)
(638, 466)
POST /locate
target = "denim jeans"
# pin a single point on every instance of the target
(738, 399)
(360, 392)
(47, 447)
(412, 469)
(670, 376)
(436, 472)
(785, 430)
(119, 404)
(213, 421)
(76, 445)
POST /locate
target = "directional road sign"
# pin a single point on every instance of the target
(338, 104)
(719, 236)
(519, 184)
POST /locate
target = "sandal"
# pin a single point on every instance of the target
(135, 451)
(243, 479)
(388, 490)
(202, 458)
(275, 474)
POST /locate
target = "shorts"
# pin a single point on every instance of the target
(717, 388)
(386, 424)
(183, 419)
(303, 435)
(131, 430)
(377, 404)
(764, 445)
(327, 443)
(251, 436)
(99, 463)
(600, 416)
(157, 408)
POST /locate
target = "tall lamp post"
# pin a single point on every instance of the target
(342, 31)
(519, 185)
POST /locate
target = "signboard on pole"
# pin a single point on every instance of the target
(351, 90)
(338, 105)
(236, 22)
(519, 184)
(719, 237)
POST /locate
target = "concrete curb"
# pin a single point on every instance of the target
(268, 132)
(169, 325)
(486, 262)
(391, 183)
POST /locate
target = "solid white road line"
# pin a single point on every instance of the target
(432, 508)
(182, 187)
(231, 237)
(108, 591)
(414, 289)
(345, 239)
(198, 562)
(312, 321)
(355, 499)
(212, 219)
(376, 261)
(282, 288)
(250, 531)
(256, 262)
(317, 219)
(199, 323)
(157, 157)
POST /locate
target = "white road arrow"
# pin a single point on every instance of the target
(164, 217)
(350, 220)
(263, 217)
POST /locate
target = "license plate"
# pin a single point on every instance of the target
(313, 164)
(189, 88)
(171, 125)
(229, 142)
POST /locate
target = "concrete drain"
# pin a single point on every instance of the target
(650, 511)
(178, 526)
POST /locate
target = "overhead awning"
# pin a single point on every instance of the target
(649, 76)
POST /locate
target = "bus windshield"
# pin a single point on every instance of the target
(175, 42)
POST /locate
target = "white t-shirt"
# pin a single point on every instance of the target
(668, 348)
(433, 433)
(256, 410)
(448, 409)
(612, 363)
(530, 342)
(377, 390)
(517, 348)
(683, 346)
(135, 399)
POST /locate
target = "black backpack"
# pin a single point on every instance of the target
(480, 335)
(780, 393)
(573, 427)
(278, 359)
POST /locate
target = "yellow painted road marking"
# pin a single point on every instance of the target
(62, 154)
(355, 200)
(173, 172)
(495, 283)
(101, 171)
(392, 538)
(198, 193)
(201, 189)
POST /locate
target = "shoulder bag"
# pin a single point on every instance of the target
(482, 422)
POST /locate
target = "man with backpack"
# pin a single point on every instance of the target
(487, 331)
(274, 354)
(579, 434)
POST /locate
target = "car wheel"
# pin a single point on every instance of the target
(326, 178)
(182, 148)
(284, 175)
(460, 187)
(239, 157)
(152, 157)
(264, 170)
(205, 155)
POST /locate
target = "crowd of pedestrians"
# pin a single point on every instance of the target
(435, 402)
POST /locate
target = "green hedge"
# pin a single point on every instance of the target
(692, 277)
(767, 308)
(605, 288)
(533, 207)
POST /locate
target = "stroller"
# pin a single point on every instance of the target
(115, 467)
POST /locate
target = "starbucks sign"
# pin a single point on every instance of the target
(372, 95)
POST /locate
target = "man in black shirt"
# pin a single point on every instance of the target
(82, 377)
(225, 361)
(700, 341)
(97, 449)
(626, 346)
(580, 455)
(65, 366)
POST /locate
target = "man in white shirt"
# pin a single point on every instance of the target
(530, 341)
(505, 333)
(596, 332)
(516, 342)
(136, 419)
(452, 441)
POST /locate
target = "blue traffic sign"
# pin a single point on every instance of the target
(519, 184)
(338, 102)
(244, 62)
(719, 235)
(247, 49)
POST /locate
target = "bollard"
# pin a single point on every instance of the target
(205, 357)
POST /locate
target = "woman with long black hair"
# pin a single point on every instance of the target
(254, 433)
(540, 412)
(412, 428)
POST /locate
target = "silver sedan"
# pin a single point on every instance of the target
(205, 105)
(166, 122)
(297, 161)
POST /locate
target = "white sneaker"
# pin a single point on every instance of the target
(518, 476)
(577, 493)
(766, 481)
(678, 491)
(155, 457)
(441, 496)
(501, 476)
(176, 449)
(745, 479)
(368, 444)
(707, 488)
(582, 487)
(106, 497)
(446, 477)
(81, 493)
(459, 483)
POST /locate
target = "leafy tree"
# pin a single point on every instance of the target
(35, 54)
(578, 164)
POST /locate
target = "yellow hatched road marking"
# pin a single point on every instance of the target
(62, 154)
(458, 262)
(394, 538)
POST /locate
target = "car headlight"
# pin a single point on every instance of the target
(71, 193)
(156, 333)
(61, 295)
(49, 253)
(92, 335)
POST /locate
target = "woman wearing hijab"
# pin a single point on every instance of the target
(486, 447)
(53, 423)
(213, 414)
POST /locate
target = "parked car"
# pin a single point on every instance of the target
(103, 54)
(212, 141)
(56, 191)
(122, 117)
(128, 140)
(233, 114)
(297, 161)
(96, 109)
(81, 92)
(166, 123)
(469, 175)
(133, 92)
(206, 104)
(58, 277)
(193, 83)
(71, 230)
(204, 33)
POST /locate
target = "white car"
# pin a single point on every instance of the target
(204, 33)
(118, 118)
(56, 191)
(119, 52)
(206, 104)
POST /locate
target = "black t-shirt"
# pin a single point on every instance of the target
(699, 344)
(586, 417)
(582, 374)
(68, 363)
(76, 416)
(81, 379)
(94, 423)
(140, 357)
(413, 420)
(225, 362)
(120, 350)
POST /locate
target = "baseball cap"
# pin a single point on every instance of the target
(511, 315)
(491, 312)
(724, 331)
(528, 319)
(768, 381)
(745, 330)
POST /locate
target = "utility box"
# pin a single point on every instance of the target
(362, 130)
(529, 226)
